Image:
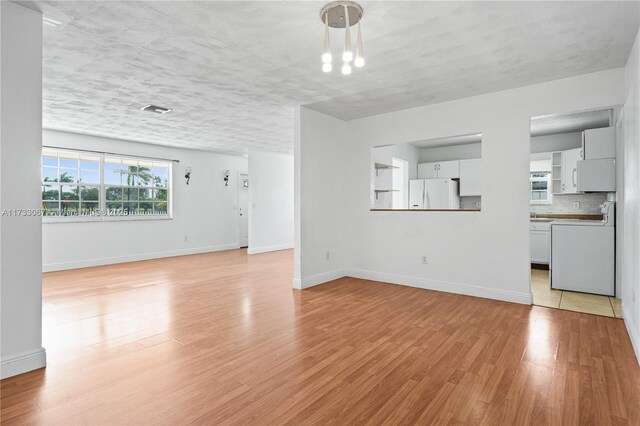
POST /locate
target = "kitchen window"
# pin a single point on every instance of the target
(78, 186)
(540, 188)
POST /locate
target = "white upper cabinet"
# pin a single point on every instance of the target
(470, 177)
(599, 143)
(428, 171)
(449, 169)
(439, 170)
(570, 160)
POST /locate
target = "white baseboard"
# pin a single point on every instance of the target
(265, 249)
(297, 283)
(633, 333)
(320, 278)
(448, 287)
(23, 363)
(50, 267)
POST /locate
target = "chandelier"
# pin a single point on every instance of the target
(342, 14)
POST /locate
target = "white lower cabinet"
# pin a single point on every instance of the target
(540, 241)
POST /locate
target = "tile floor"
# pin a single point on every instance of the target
(543, 295)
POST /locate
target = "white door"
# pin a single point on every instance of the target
(437, 194)
(243, 209)
(449, 169)
(400, 183)
(427, 170)
(416, 194)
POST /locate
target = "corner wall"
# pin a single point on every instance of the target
(270, 202)
(205, 215)
(320, 180)
(485, 253)
(20, 147)
(631, 199)
(482, 254)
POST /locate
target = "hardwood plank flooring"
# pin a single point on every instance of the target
(222, 338)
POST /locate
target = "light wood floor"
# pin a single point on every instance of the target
(222, 338)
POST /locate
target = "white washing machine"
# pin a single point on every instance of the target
(583, 254)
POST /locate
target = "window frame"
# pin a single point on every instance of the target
(102, 195)
(549, 191)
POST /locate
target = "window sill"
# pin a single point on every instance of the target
(46, 220)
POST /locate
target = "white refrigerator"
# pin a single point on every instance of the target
(433, 194)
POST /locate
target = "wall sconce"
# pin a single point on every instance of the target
(226, 177)
(187, 175)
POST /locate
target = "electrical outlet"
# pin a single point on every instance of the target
(186, 238)
(424, 260)
(327, 256)
(576, 205)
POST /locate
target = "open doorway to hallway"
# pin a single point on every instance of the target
(243, 209)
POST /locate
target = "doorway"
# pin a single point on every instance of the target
(572, 196)
(243, 209)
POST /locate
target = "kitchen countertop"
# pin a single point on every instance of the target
(548, 217)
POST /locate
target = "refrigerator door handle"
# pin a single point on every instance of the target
(426, 196)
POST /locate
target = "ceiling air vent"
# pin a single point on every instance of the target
(156, 109)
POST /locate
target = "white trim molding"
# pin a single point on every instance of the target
(318, 279)
(23, 363)
(51, 267)
(632, 332)
(265, 249)
(448, 287)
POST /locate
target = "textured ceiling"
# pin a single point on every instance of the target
(232, 71)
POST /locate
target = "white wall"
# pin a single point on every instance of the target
(270, 202)
(204, 212)
(631, 199)
(320, 175)
(479, 253)
(20, 146)
(559, 142)
(455, 152)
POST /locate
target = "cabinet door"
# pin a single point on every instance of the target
(427, 171)
(540, 247)
(570, 159)
(599, 143)
(449, 169)
(470, 177)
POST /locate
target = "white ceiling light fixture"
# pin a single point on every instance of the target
(342, 14)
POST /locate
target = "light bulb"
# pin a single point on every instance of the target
(359, 55)
(326, 56)
(327, 67)
(347, 55)
(346, 69)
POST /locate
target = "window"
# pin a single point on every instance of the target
(79, 185)
(540, 188)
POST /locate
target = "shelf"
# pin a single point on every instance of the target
(378, 191)
(379, 166)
